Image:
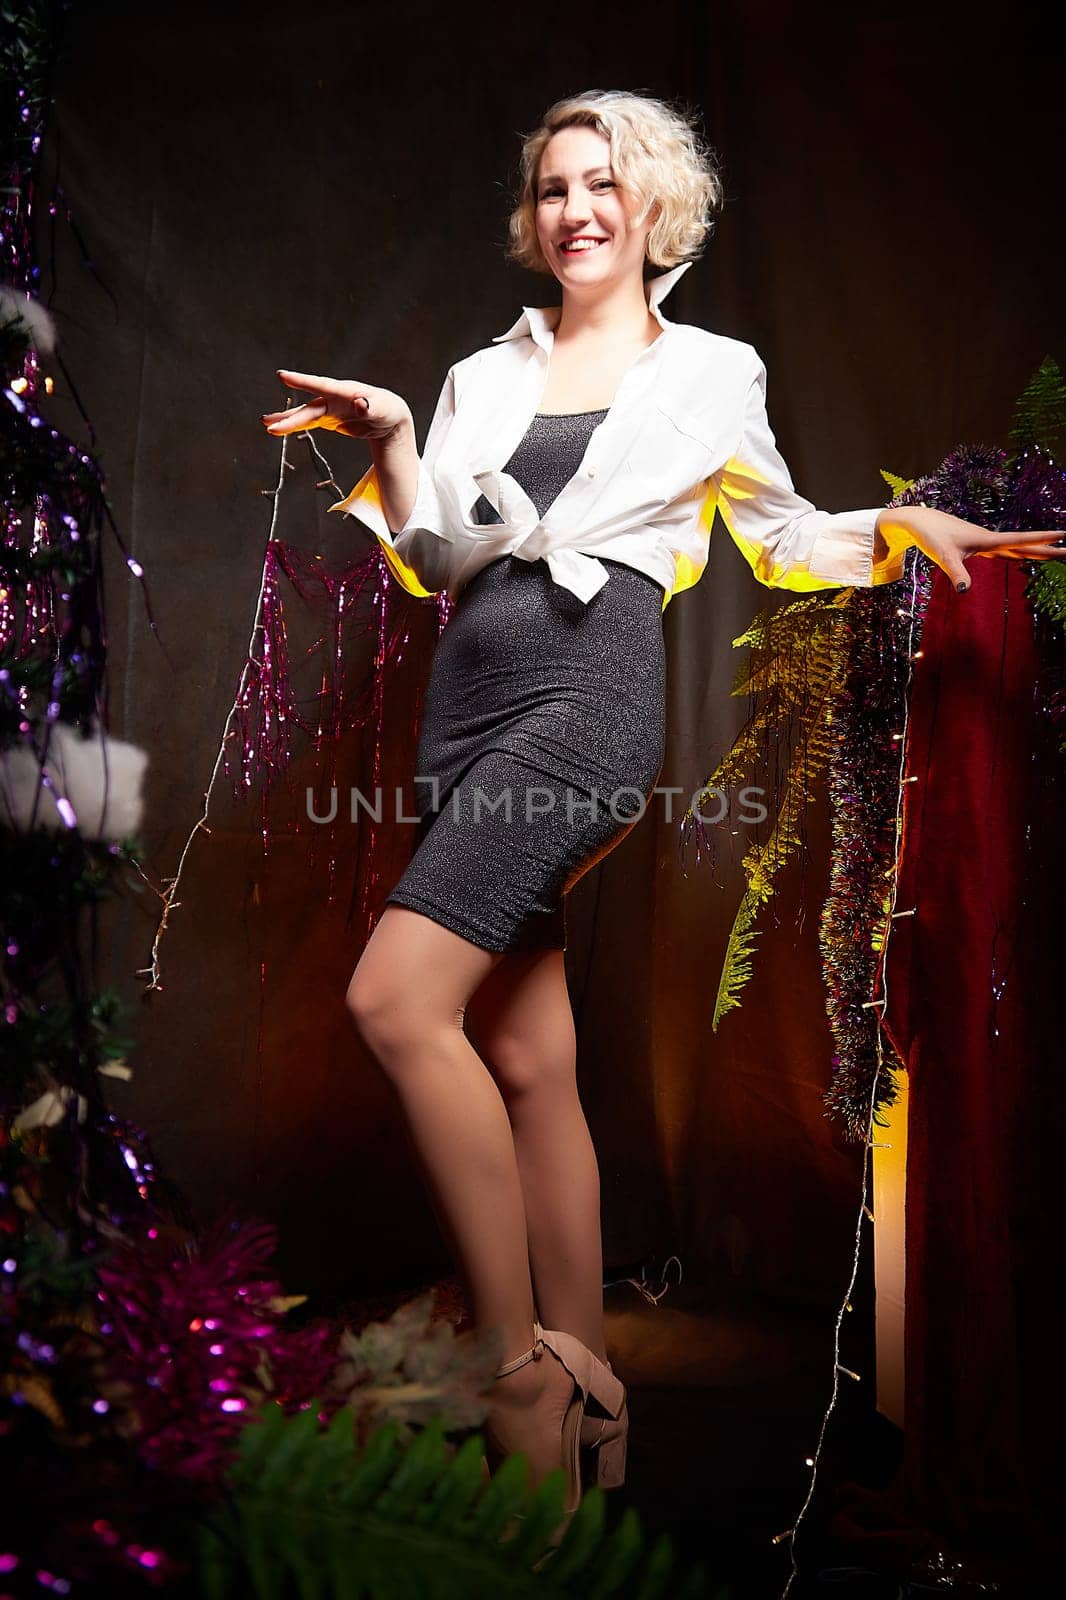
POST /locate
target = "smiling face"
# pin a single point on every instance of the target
(585, 220)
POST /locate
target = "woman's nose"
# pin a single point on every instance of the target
(575, 209)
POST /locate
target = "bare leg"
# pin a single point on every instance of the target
(521, 1022)
(407, 997)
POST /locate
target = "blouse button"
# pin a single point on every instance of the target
(591, 472)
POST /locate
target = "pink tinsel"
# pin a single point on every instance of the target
(196, 1341)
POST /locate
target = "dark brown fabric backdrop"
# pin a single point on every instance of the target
(325, 188)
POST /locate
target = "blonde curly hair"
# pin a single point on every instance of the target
(656, 154)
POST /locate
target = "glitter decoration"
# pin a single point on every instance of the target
(198, 1340)
(347, 601)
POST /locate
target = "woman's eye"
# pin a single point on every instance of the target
(600, 183)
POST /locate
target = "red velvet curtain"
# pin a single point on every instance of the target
(973, 983)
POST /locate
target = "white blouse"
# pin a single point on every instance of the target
(687, 435)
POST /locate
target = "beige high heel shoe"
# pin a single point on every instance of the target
(604, 1438)
(592, 1380)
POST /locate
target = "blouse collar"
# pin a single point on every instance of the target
(537, 322)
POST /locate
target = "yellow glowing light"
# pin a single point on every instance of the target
(19, 385)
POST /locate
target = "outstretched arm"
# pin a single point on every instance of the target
(790, 544)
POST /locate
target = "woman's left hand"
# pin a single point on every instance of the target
(950, 541)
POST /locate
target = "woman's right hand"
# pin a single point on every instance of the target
(344, 406)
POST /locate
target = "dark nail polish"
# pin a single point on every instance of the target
(962, 587)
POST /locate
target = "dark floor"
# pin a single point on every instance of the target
(717, 1436)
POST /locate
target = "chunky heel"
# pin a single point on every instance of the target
(611, 1462)
(603, 1438)
(607, 1390)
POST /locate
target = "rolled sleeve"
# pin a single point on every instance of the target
(417, 555)
(787, 541)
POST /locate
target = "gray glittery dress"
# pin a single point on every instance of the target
(544, 724)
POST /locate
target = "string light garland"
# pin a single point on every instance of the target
(257, 741)
(168, 896)
(914, 612)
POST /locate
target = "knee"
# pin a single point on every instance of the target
(389, 1019)
(377, 1013)
(522, 1068)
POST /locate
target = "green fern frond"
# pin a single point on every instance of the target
(792, 653)
(770, 626)
(309, 1515)
(897, 484)
(1040, 413)
(739, 760)
(793, 674)
(739, 954)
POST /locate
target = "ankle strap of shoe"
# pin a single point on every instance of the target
(533, 1354)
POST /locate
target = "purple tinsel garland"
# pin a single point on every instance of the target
(986, 486)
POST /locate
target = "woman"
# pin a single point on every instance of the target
(565, 494)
